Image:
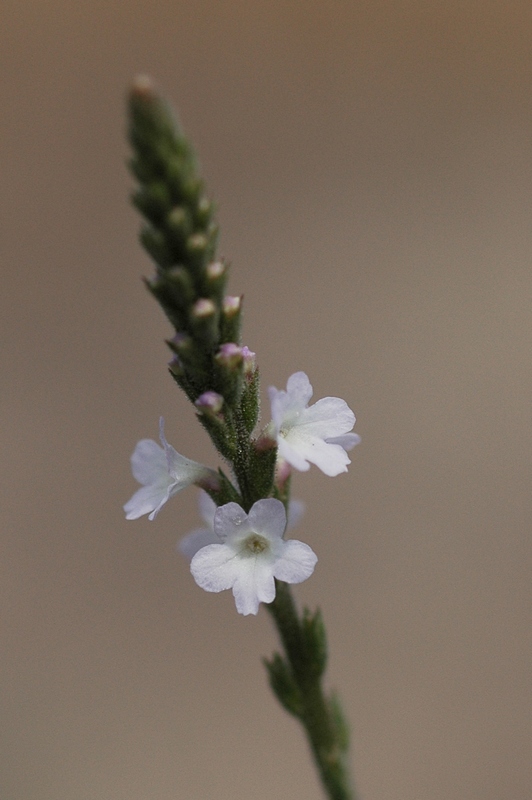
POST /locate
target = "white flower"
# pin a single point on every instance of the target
(318, 434)
(162, 471)
(250, 553)
(200, 537)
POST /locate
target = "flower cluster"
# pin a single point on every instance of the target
(239, 551)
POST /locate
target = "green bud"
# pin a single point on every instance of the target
(261, 467)
(178, 280)
(156, 245)
(340, 724)
(230, 319)
(153, 201)
(283, 684)
(179, 225)
(203, 320)
(230, 361)
(214, 281)
(314, 636)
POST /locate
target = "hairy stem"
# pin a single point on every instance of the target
(317, 712)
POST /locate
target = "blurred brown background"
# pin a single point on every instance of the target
(373, 168)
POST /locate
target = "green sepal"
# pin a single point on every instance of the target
(226, 492)
(179, 282)
(166, 296)
(230, 325)
(315, 641)
(340, 724)
(261, 468)
(204, 213)
(283, 684)
(173, 289)
(156, 244)
(200, 248)
(179, 376)
(179, 228)
(153, 201)
(249, 401)
(205, 326)
(212, 282)
(221, 435)
(228, 377)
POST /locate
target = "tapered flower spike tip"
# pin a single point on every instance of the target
(143, 88)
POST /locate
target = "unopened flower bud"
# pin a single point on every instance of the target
(197, 243)
(175, 366)
(203, 309)
(230, 372)
(231, 305)
(179, 221)
(250, 361)
(283, 470)
(230, 320)
(209, 403)
(143, 88)
(215, 270)
(230, 356)
(204, 321)
(179, 343)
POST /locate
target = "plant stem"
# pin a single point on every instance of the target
(318, 714)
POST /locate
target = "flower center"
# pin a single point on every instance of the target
(254, 545)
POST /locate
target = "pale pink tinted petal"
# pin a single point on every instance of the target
(329, 417)
(285, 404)
(296, 562)
(207, 508)
(180, 468)
(230, 520)
(296, 509)
(292, 454)
(215, 567)
(145, 500)
(299, 388)
(330, 458)
(148, 462)
(347, 441)
(195, 540)
(268, 517)
(253, 585)
(276, 404)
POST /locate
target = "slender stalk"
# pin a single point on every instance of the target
(319, 715)
(209, 362)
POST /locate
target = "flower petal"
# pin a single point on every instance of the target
(299, 388)
(268, 517)
(287, 404)
(329, 417)
(148, 462)
(347, 441)
(330, 458)
(253, 585)
(147, 500)
(195, 540)
(230, 522)
(207, 508)
(296, 562)
(291, 453)
(183, 470)
(215, 567)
